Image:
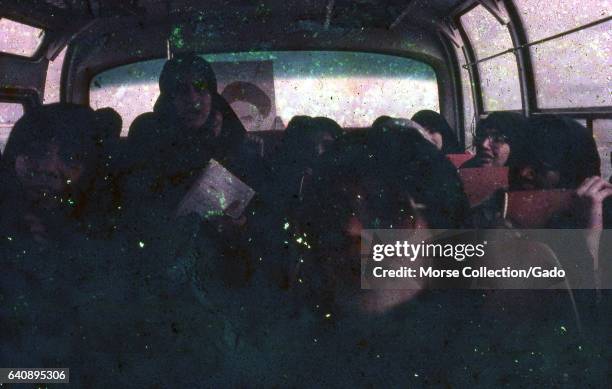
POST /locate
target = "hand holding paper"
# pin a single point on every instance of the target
(217, 192)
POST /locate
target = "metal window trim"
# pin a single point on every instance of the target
(593, 113)
(450, 45)
(28, 99)
(523, 59)
(470, 57)
(524, 64)
(539, 41)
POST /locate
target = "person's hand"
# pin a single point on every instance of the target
(591, 194)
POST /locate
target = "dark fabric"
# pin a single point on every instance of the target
(108, 306)
(79, 132)
(157, 139)
(165, 159)
(434, 122)
(187, 64)
(562, 145)
(509, 124)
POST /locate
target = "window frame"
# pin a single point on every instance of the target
(27, 98)
(524, 64)
(451, 52)
(472, 61)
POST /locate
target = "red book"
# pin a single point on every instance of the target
(481, 182)
(535, 208)
(459, 159)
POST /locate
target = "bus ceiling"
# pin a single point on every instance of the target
(488, 54)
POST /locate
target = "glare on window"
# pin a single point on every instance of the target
(498, 76)
(19, 39)
(545, 19)
(351, 88)
(486, 34)
(574, 70)
(499, 83)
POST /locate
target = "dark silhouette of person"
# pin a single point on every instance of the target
(555, 153)
(190, 124)
(387, 178)
(48, 257)
(359, 182)
(305, 140)
(559, 153)
(443, 135)
(379, 121)
(385, 123)
(48, 168)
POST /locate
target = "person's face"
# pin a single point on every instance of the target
(249, 115)
(492, 148)
(192, 102)
(48, 176)
(530, 178)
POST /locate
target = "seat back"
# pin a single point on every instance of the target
(480, 183)
(536, 208)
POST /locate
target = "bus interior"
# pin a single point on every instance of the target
(277, 65)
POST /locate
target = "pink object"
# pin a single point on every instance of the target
(480, 183)
(535, 208)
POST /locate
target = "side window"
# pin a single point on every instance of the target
(54, 76)
(266, 89)
(469, 113)
(499, 75)
(19, 39)
(9, 114)
(131, 90)
(572, 70)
